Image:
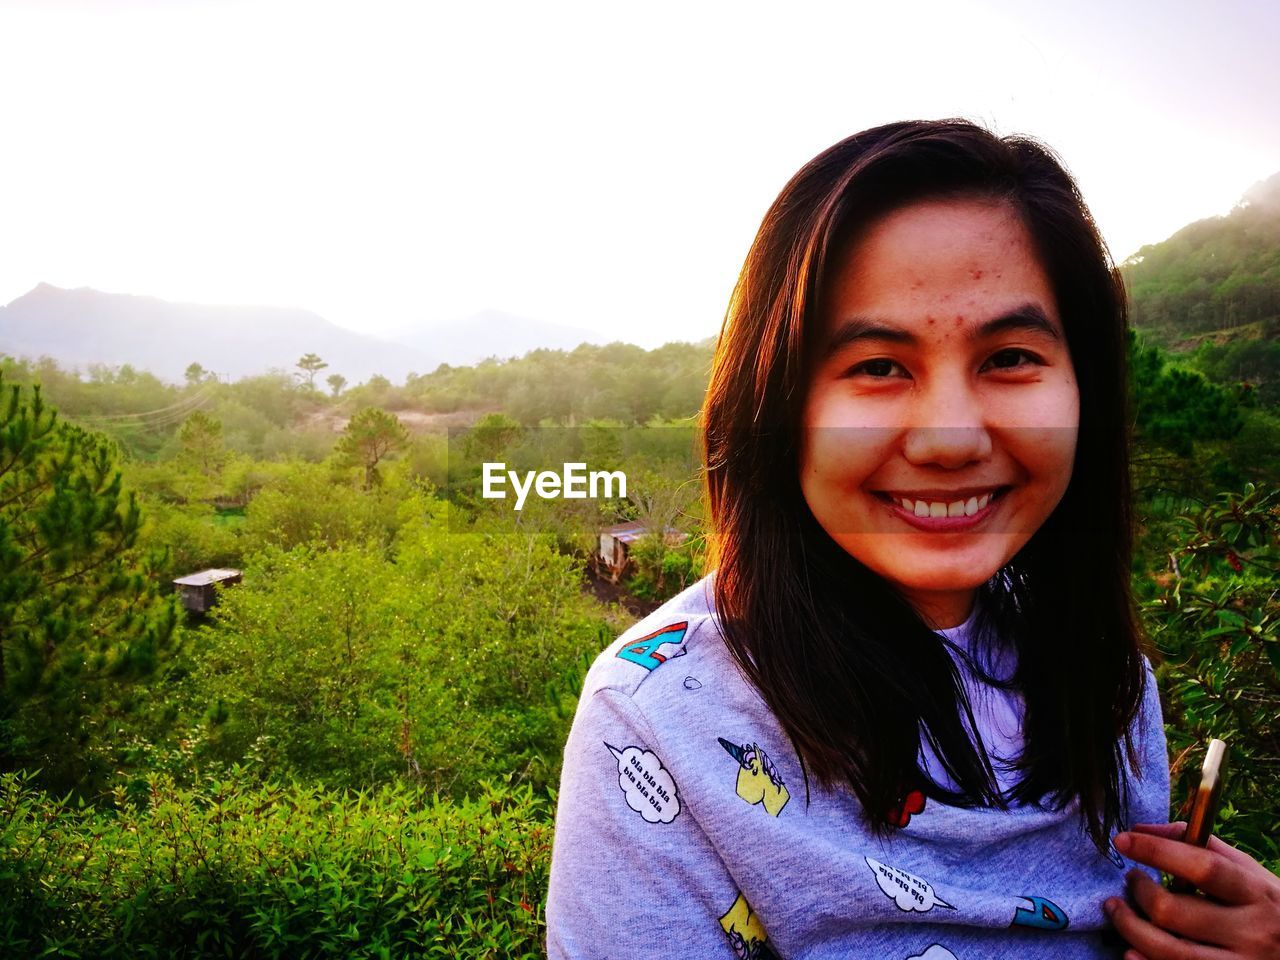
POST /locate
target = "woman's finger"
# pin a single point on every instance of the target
(1191, 916)
(1176, 831)
(1173, 831)
(1154, 943)
(1210, 870)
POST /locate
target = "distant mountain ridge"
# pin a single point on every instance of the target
(84, 326)
(492, 333)
(1216, 279)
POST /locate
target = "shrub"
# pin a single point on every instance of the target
(237, 869)
(341, 666)
(1214, 616)
(304, 506)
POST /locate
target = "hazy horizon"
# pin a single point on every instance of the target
(390, 166)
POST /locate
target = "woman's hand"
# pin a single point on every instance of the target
(1239, 917)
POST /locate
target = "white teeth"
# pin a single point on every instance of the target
(957, 508)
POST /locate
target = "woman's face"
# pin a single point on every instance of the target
(942, 379)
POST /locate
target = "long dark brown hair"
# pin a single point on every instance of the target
(851, 670)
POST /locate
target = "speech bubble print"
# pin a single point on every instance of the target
(909, 892)
(936, 952)
(648, 787)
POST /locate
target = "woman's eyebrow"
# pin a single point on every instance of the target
(1028, 317)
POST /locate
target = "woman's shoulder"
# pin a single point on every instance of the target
(679, 633)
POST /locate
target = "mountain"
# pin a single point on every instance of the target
(1217, 278)
(492, 333)
(84, 326)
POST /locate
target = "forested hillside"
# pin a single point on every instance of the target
(1212, 290)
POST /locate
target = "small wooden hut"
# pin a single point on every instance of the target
(197, 589)
(613, 555)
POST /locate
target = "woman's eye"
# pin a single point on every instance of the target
(877, 369)
(1010, 359)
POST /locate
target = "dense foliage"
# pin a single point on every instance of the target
(382, 674)
(80, 617)
(1214, 615)
(232, 869)
(619, 382)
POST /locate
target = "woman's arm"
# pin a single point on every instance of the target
(1239, 917)
(632, 874)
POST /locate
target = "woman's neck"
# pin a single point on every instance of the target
(942, 611)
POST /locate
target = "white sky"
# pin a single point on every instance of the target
(603, 165)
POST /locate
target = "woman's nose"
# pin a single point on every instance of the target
(948, 428)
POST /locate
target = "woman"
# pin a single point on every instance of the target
(908, 712)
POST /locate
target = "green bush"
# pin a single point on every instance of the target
(662, 570)
(1214, 615)
(349, 668)
(305, 506)
(237, 869)
(193, 537)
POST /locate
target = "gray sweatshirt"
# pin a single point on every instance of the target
(682, 829)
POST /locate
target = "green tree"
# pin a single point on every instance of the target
(371, 435)
(336, 382)
(76, 600)
(661, 494)
(1176, 411)
(492, 437)
(377, 391)
(311, 364)
(195, 374)
(201, 439)
(1173, 405)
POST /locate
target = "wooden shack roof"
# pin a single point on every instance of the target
(206, 577)
(625, 532)
(631, 532)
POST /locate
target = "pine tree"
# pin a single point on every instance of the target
(370, 435)
(1174, 406)
(78, 602)
(201, 439)
(311, 364)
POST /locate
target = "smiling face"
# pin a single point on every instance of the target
(942, 378)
